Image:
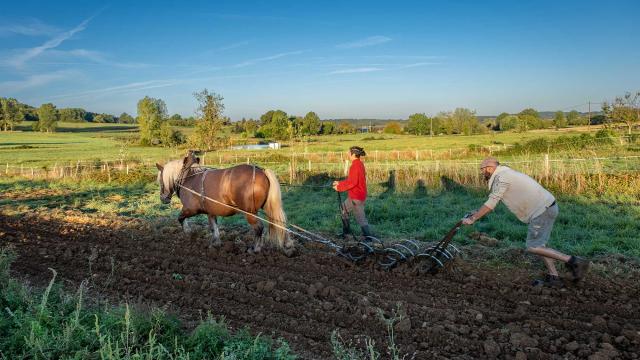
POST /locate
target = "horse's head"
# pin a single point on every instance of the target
(166, 189)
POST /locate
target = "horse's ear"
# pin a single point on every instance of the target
(160, 167)
(185, 160)
(197, 160)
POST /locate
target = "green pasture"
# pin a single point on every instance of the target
(113, 142)
(587, 225)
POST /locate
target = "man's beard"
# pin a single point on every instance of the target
(487, 176)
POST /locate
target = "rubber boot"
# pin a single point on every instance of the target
(367, 233)
(346, 229)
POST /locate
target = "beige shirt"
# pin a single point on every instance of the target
(520, 193)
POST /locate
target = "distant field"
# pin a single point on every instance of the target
(92, 142)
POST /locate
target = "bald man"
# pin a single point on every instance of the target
(533, 205)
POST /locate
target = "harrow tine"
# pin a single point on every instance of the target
(437, 249)
(399, 253)
(405, 248)
(455, 249)
(412, 244)
(437, 262)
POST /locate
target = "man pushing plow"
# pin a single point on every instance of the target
(533, 205)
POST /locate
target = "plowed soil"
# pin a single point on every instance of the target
(474, 312)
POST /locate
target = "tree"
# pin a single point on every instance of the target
(10, 113)
(419, 124)
(328, 127)
(72, 115)
(624, 109)
(104, 118)
(125, 118)
(531, 112)
(508, 122)
(464, 121)
(151, 113)
(311, 124)
(208, 130)
(574, 118)
(392, 127)
(170, 136)
(275, 124)
(559, 121)
(47, 118)
(345, 127)
(501, 116)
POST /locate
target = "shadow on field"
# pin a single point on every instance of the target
(123, 128)
(40, 195)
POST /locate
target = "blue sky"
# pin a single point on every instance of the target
(340, 59)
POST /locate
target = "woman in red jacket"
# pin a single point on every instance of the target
(356, 185)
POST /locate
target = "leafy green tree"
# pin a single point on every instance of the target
(125, 118)
(311, 124)
(72, 115)
(328, 127)
(508, 122)
(419, 124)
(531, 112)
(345, 127)
(501, 116)
(170, 136)
(559, 121)
(10, 113)
(208, 131)
(392, 127)
(465, 122)
(151, 113)
(104, 118)
(625, 109)
(275, 124)
(47, 118)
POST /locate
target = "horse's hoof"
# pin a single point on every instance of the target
(290, 252)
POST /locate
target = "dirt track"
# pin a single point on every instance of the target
(473, 313)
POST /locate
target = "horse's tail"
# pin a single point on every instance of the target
(275, 212)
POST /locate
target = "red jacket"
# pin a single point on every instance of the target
(356, 182)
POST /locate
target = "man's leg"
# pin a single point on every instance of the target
(539, 233)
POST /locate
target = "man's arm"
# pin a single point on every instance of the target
(477, 215)
(494, 198)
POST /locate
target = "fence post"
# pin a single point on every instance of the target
(346, 167)
(6, 171)
(417, 156)
(309, 165)
(32, 174)
(546, 167)
(108, 172)
(376, 158)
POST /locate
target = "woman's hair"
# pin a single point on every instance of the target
(357, 151)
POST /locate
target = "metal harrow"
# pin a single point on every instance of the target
(428, 258)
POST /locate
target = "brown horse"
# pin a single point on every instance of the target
(242, 189)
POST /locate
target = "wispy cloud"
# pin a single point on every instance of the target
(131, 87)
(21, 59)
(356, 70)
(418, 64)
(267, 58)
(27, 27)
(370, 41)
(234, 45)
(37, 80)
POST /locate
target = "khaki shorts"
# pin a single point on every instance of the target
(357, 208)
(540, 227)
